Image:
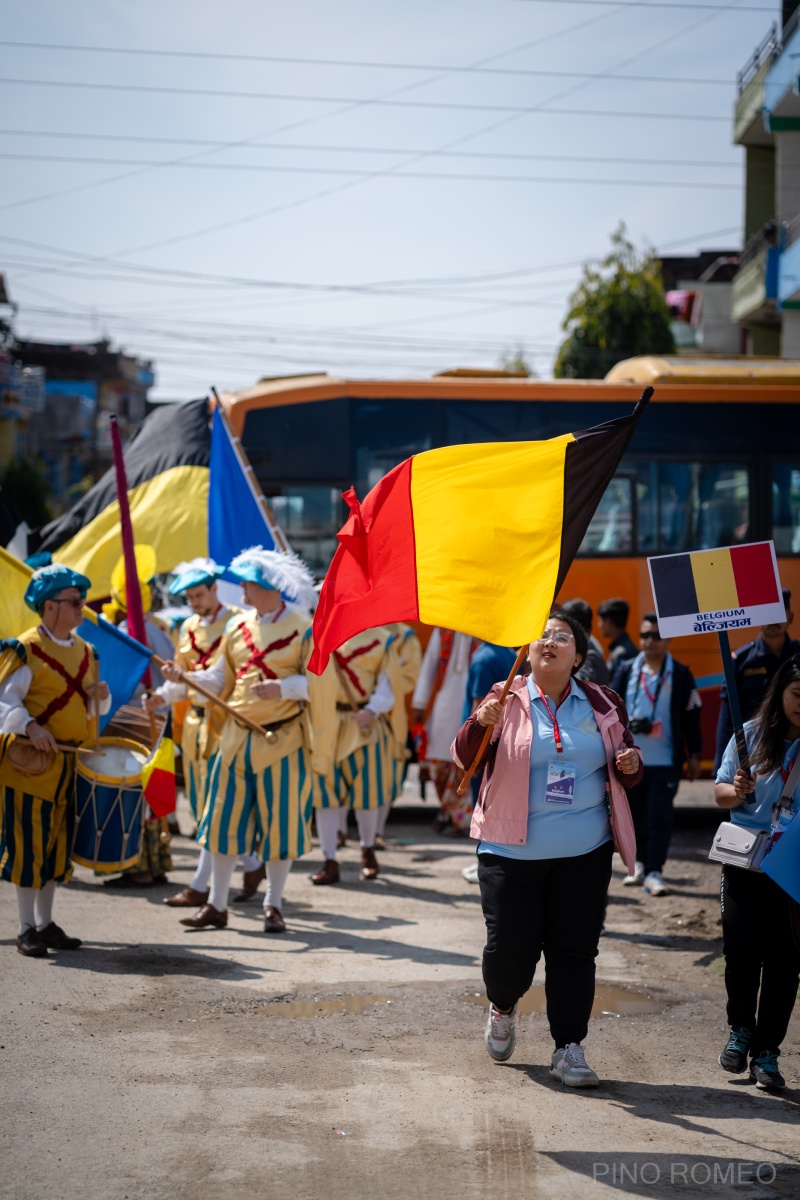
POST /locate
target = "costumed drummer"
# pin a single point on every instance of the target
(367, 714)
(49, 694)
(199, 647)
(261, 783)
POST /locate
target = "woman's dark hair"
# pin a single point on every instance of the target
(578, 632)
(771, 723)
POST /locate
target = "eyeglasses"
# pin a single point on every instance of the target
(75, 602)
(560, 638)
(646, 637)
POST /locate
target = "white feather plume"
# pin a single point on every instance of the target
(284, 570)
(206, 565)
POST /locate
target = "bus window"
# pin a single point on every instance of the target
(724, 506)
(310, 517)
(786, 508)
(610, 530)
(386, 433)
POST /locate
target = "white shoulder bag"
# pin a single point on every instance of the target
(738, 846)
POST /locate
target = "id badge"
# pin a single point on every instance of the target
(560, 782)
(657, 730)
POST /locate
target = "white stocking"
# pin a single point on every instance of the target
(250, 862)
(222, 868)
(367, 821)
(202, 875)
(26, 901)
(383, 817)
(327, 829)
(277, 874)
(44, 904)
(343, 820)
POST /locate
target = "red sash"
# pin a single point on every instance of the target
(203, 656)
(257, 656)
(344, 659)
(74, 684)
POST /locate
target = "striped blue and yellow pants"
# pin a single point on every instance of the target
(36, 839)
(244, 798)
(366, 778)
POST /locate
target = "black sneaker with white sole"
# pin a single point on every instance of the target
(734, 1057)
(764, 1071)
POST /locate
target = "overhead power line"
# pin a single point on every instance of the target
(350, 64)
(449, 106)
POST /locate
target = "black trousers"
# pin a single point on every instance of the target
(651, 802)
(555, 905)
(762, 960)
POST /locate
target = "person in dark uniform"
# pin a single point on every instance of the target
(612, 617)
(755, 665)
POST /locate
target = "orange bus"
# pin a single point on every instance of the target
(715, 461)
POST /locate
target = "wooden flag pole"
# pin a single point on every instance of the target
(478, 759)
(196, 687)
(733, 701)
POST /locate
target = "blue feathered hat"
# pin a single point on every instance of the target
(196, 573)
(278, 571)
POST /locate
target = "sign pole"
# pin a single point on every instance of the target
(733, 701)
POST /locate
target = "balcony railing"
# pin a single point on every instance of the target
(766, 52)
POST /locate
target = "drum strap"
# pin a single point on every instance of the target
(74, 684)
(257, 656)
(203, 656)
(343, 662)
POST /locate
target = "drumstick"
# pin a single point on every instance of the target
(65, 749)
(240, 718)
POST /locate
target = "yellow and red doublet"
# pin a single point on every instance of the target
(365, 765)
(38, 810)
(199, 647)
(262, 783)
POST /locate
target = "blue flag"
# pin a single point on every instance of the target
(782, 864)
(236, 520)
(122, 660)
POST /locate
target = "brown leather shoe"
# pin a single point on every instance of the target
(250, 884)
(28, 943)
(273, 921)
(187, 898)
(341, 840)
(207, 917)
(369, 863)
(53, 936)
(329, 873)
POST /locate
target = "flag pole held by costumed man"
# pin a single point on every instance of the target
(523, 651)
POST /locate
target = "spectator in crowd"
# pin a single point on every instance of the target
(755, 666)
(612, 617)
(593, 668)
(664, 712)
(761, 947)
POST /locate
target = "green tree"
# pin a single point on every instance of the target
(618, 310)
(25, 486)
(515, 362)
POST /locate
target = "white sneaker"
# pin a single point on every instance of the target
(569, 1065)
(636, 878)
(501, 1033)
(654, 884)
(470, 873)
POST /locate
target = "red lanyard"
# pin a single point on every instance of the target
(787, 772)
(552, 715)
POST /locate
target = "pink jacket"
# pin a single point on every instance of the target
(501, 813)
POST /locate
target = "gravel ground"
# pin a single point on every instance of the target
(347, 1056)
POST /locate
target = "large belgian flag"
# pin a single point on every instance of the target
(474, 538)
(167, 465)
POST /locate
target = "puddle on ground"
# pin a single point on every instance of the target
(321, 1008)
(609, 1001)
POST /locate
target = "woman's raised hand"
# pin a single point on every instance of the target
(490, 713)
(743, 785)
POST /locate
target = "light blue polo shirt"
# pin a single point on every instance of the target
(656, 751)
(757, 812)
(556, 830)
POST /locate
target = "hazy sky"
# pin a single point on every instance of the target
(418, 194)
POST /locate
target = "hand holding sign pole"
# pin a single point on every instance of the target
(712, 591)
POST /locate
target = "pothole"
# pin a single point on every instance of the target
(609, 1001)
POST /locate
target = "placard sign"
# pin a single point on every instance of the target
(711, 591)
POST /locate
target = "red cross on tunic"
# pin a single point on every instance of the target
(74, 683)
(257, 656)
(345, 659)
(203, 656)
